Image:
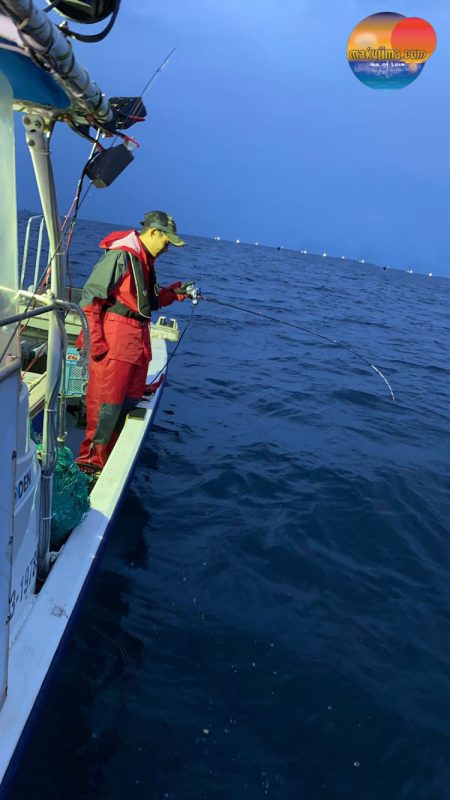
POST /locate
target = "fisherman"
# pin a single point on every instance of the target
(118, 299)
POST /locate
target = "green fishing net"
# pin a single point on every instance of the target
(70, 500)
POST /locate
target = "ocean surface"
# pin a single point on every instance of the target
(272, 614)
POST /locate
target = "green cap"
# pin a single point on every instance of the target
(162, 222)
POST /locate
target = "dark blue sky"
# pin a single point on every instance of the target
(258, 130)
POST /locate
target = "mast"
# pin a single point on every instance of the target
(52, 50)
(38, 141)
(9, 366)
(84, 102)
(9, 338)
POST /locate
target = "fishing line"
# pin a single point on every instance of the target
(176, 346)
(305, 330)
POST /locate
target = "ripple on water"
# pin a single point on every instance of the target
(272, 614)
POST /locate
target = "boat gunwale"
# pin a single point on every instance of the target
(61, 614)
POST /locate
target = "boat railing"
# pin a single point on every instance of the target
(47, 302)
(55, 400)
(31, 228)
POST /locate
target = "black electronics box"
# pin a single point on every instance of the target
(108, 164)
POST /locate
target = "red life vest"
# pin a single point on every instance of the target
(137, 290)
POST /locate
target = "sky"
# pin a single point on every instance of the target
(257, 130)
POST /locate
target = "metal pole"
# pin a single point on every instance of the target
(36, 312)
(38, 256)
(9, 367)
(38, 141)
(25, 250)
(53, 50)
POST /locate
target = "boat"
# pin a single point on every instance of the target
(42, 375)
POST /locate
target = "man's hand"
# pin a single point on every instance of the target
(99, 356)
(183, 290)
(150, 388)
(179, 290)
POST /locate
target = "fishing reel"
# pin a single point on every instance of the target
(192, 291)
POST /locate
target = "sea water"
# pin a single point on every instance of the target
(272, 614)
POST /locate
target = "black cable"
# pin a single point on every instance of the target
(51, 6)
(85, 134)
(96, 37)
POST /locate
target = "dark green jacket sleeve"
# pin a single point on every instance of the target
(104, 277)
(108, 271)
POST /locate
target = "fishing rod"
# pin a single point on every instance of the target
(78, 201)
(157, 70)
(134, 109)
(196, 293)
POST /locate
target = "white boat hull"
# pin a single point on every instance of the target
(36, 643)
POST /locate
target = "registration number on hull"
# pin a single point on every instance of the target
(25, 586)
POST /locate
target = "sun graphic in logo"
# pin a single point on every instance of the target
(389, 50)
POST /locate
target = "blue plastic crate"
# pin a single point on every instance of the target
(76, 380)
